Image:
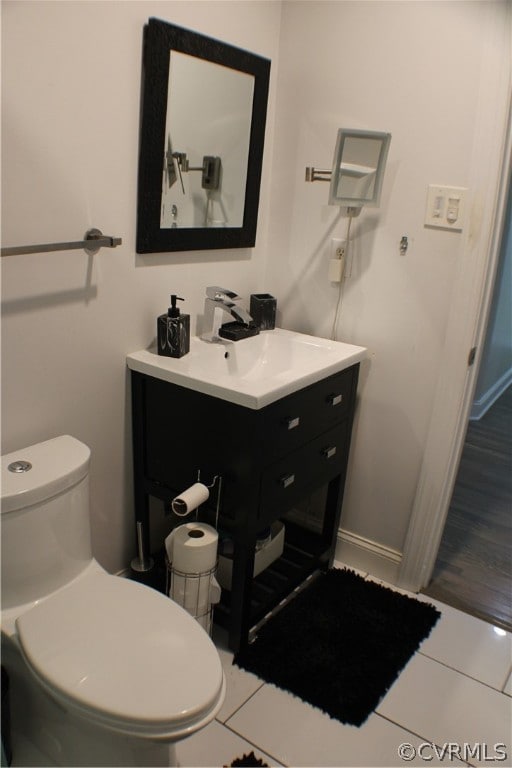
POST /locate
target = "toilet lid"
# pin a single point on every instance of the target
(124, 651)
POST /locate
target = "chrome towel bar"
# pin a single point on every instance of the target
(94, 240)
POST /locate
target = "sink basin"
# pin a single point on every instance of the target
(252, 372)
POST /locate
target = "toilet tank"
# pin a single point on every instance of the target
(45, 527)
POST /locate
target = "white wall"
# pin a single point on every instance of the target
(71, 81)
(414, 69)
(71, 88)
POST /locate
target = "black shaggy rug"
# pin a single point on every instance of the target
(340, 643)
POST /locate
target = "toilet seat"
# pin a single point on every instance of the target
(125, 656)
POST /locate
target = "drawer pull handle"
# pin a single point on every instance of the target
(334, 399)
(292, 422)
(287, 480)
(329, 452)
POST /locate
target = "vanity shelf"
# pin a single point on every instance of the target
(286, 461)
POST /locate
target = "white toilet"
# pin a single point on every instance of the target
(102, 670)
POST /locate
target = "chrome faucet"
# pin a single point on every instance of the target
(224, 299)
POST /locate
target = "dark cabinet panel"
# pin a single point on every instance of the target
(270, 460)
(296, 419)
(286, 481)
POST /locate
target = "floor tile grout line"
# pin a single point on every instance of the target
(424, 739)
(254, 745)
(244, 702)
(464, 674)
(505, 681)
(375, 711)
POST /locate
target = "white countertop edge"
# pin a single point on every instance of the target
(148, 362)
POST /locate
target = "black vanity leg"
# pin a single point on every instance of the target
(241, 588)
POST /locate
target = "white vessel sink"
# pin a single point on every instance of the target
(252, 372)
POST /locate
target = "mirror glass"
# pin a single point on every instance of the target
(216, 123)
(202, 132)
(358, 167)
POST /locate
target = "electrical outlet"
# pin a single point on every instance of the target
(338, 248)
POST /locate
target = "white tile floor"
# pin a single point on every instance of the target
(454, 696)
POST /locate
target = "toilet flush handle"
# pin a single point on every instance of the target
(19, 466)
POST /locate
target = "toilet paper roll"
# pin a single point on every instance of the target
(192, 593)
(192, 552)
(190, 499)
(195, 594)
(192, 547)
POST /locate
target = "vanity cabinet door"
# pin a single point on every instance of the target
(287, 481)
(298, 418)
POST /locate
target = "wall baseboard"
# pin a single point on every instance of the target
(366, 555)
(482, 405)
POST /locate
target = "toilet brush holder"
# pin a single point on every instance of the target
(142, 563)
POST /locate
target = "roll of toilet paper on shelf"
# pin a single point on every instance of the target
(196, 594)
(192, 552)
(192, 593)
(192, 547)
(190, 499)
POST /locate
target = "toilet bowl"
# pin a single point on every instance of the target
(102, 670)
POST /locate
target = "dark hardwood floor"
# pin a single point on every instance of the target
(473, 570)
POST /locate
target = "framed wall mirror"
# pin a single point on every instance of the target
(203, 114)
(358, 167)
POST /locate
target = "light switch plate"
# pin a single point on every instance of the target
(445, 207)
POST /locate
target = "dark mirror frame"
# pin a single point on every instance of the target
(159, 39)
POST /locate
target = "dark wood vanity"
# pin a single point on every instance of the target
(286, 461)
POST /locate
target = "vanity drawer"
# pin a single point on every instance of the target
(296, 419)
(286, 481)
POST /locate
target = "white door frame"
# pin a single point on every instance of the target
(490, 176)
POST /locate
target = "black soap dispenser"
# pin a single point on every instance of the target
(173, 331)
